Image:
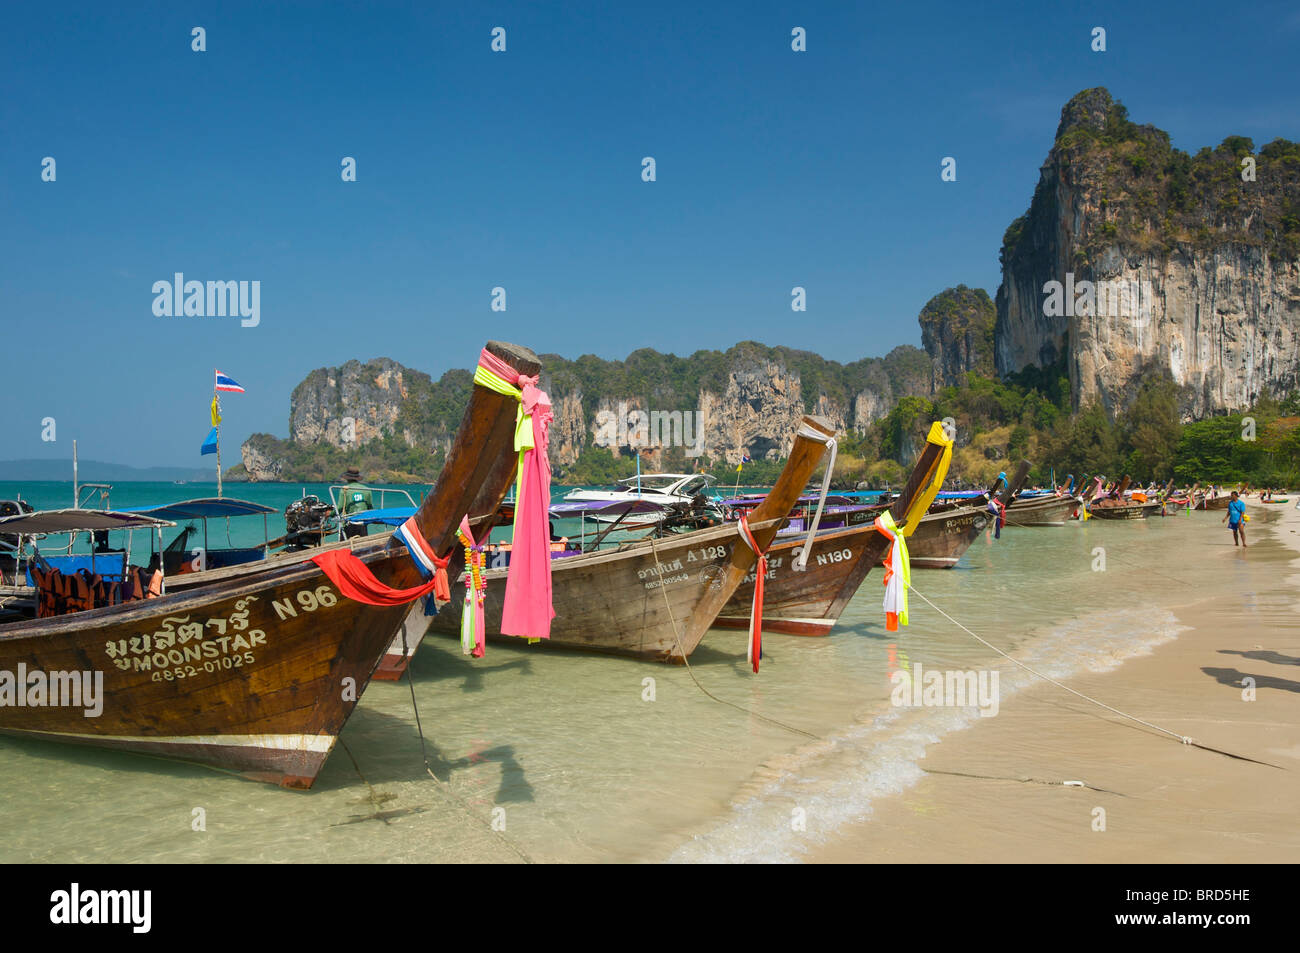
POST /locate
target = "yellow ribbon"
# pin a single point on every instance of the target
(912, 518)
(900, 540)
(523, 425)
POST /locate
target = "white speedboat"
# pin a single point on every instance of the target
(664, 489)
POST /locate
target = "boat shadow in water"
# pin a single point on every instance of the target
(431, 667)
(440, 659)
(1232, 677)
(387, 750)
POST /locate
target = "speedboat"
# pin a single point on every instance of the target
(664, 489)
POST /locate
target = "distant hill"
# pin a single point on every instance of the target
(96, 471)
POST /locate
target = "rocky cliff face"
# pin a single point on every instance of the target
(709, 407)
(745, 401)
(353, 404)
(261, 464)
(1135, 256)
(957, 332)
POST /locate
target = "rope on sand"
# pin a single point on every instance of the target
(1185, 739)
(996, 777)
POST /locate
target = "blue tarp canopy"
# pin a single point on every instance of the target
(111, 565)
(389, 516)
(206, 509)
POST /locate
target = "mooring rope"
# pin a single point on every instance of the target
(685, 661)
(445, 788)
(999, 777)
(1185, 739)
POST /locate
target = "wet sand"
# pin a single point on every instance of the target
(995, 792)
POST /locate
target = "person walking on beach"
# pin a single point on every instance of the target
(1235, 518)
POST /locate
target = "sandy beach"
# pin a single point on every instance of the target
(996, 793)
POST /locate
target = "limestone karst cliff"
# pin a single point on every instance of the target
(957, 332)
(1164, 261)
(712, 405)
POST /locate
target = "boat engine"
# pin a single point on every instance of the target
(308, 520)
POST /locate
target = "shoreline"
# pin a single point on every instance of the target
(995, 792)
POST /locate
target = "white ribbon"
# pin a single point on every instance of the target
(801, 555)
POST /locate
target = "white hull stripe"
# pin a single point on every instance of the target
(828, 623)
(318, 743)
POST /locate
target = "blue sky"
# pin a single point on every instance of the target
(522, 169)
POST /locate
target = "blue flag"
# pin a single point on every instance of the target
(210, 444)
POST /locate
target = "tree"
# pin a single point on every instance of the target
(1151, 428)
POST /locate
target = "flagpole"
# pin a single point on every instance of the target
(216, 399)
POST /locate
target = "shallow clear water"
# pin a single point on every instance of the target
(565, 751)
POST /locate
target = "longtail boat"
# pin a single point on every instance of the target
(1219, 502)
(656, 598)
(942, 538)
(1050, 509)
(487, 508)
(1116, 507)
(809, 601)
(257, 674)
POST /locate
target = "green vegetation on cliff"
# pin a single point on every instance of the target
(957, 332)
(668, 382)
(1150, 196)
(386, 460)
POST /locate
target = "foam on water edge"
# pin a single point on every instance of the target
(835, 781)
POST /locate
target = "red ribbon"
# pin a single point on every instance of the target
(357, 582)
(441, 585)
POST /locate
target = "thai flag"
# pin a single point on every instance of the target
(228, 384)
(745, 458)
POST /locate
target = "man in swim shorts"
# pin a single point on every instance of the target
(1236, 510)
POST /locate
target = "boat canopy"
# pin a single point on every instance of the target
(78, 521)
(204, 509)
(390, 516)
(578, 507)
(661, 481)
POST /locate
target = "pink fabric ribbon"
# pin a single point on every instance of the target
(527, 610)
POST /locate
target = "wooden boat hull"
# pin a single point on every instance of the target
(942, 538)
(1128, 511)
(810, 601)
(656, 598)
(1045, 511)
(1218, 503)
(404, 643)
(402, 648)
(257, 673)
(633, 601)
(253, 681)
